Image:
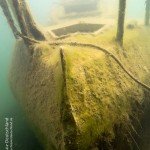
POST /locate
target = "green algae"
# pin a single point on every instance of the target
(99, 97)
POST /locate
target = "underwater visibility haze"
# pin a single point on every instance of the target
(76, 96)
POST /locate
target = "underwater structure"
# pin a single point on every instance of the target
(78, 95)
(75, 9)
(72, 6)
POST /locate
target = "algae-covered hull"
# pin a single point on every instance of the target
(80, 99)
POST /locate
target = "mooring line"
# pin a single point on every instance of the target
(94, 47)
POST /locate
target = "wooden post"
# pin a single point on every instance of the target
(6, 11)
(19, 13)
(147, 13)
(121, 18)
(26, 21)
(32, 26)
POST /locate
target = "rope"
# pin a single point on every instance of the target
(97, 48)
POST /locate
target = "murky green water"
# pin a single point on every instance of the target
(23, 137)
